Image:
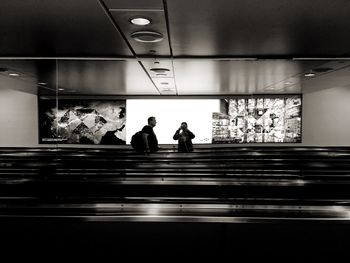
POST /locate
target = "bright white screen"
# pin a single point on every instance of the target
(169, 114)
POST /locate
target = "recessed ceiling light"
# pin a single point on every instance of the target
(160, 70)
(42, 83)
(60, 89)
(147, 36)
(14, 74)
(288, 83)
(140, 21)
(310, 74)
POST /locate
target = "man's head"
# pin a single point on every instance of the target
(184, 125)
(152, 121)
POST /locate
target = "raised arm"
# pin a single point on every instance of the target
(177, 134)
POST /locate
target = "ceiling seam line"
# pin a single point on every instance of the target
(135, 9)
(116, 26)
(166, 14)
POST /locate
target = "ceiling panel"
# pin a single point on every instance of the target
(134, 4)
(193, 77)
(257, 29)
(201, 33)
(103, 78)
(159, 68)
(166, 86)
(58, 28)
(8, 83)
(215, 77)
(33, 76)
(336, 77)
(158, 24)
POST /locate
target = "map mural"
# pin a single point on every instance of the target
(82, 122)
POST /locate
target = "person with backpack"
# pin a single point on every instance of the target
(146, 140)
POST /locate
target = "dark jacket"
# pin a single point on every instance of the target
(184, 140)
(152, 138)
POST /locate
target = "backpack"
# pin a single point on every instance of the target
(136, 141)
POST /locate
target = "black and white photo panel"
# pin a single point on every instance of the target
(74, 121)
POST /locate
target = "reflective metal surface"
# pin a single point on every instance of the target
(212, 184)
(209, 213)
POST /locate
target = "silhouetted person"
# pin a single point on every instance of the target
(184, 137)
(149, 138)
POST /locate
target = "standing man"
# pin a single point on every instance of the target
(184, 137)
(149, 138)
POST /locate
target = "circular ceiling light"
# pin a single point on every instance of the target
(42, 83)
(159, 70)
(310, 74)
(14, 74)
(147, 36)
(61, 89)
(140, 21)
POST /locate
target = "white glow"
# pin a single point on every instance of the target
(169, 114)
(13, 74)
(140, 21)
(309, 74)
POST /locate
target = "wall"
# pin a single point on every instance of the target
(18, 118)
(326, 119)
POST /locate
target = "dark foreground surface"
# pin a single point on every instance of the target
(169, 241)
(280, 204)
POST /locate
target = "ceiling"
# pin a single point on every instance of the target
(221, 47)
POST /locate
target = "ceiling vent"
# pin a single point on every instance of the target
(160, 70)
(147, 36)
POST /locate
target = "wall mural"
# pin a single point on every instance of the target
(82, 121)
(258, 119)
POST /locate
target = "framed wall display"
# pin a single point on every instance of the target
(82, 121)
(258, 120)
